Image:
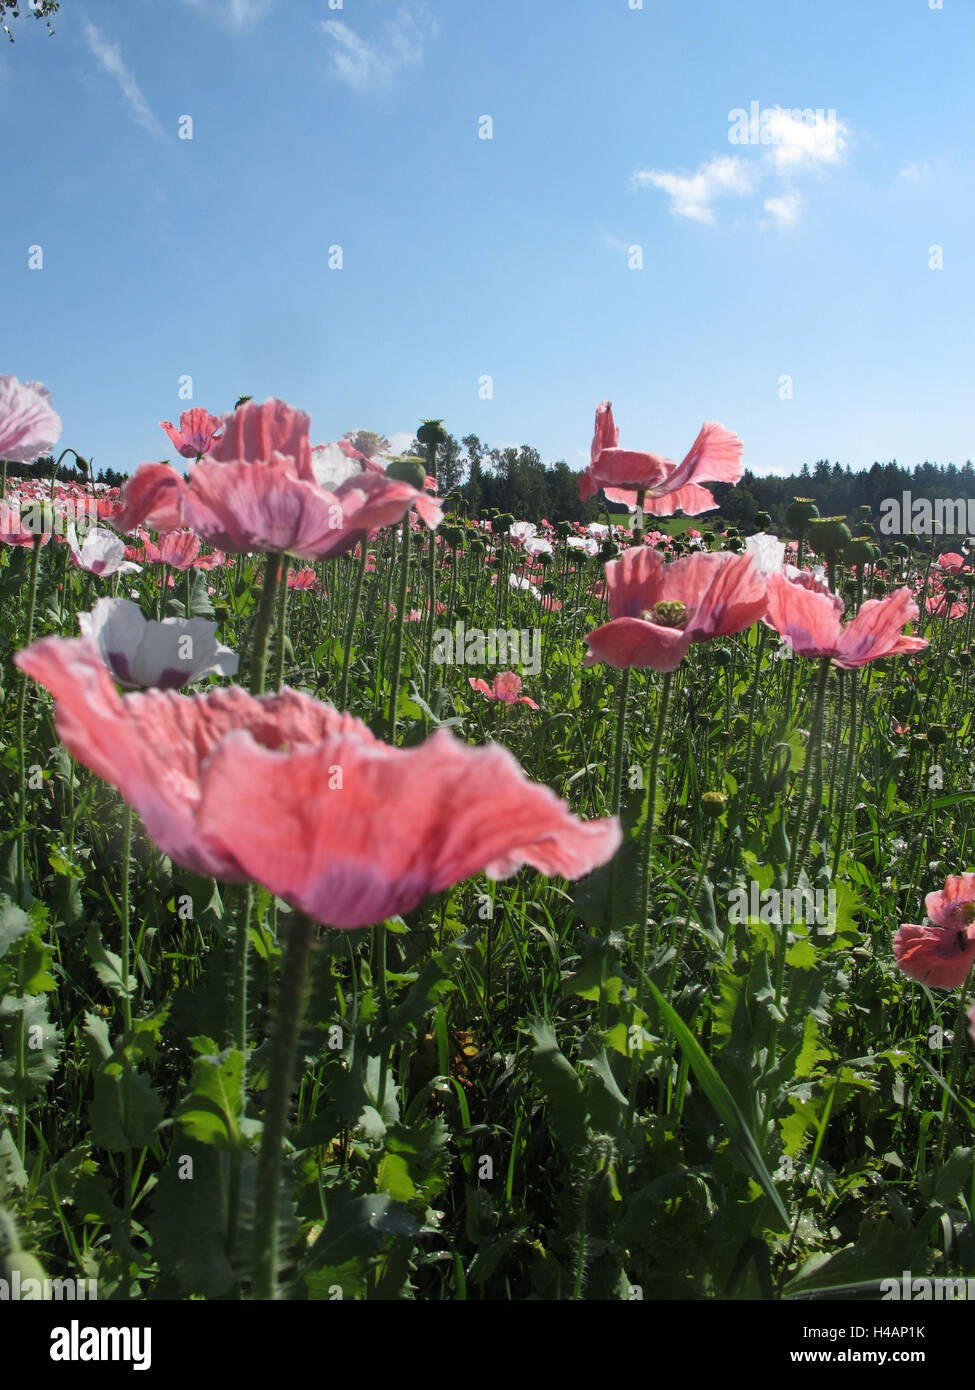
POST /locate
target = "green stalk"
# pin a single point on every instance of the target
(281, 622)
(620, 742)
(280, 1080)
(21, 756)
(813, 754)
(265, 617)
(350, 626)
(404, 584)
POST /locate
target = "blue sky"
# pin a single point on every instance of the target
(318, 124)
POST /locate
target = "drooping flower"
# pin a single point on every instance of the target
(29, 427)
(505, 687)
(715, 456)
(811, 622)
(142, 653)
(196, 433)
(288, 792)
(657, 609)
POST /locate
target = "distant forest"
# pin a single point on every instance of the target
(516, 480)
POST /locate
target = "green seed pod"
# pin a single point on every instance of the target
(801, 511)
(502, 523)
(549, 586)
(899, 548)
(829, 535)
(763, 521)
(866, 511)
(563, 529)
(608, 550)
(476, 548)
(723, 656)
(707, 537)
(463, 610)
(878, 588)
(937, 735)
(432, 432)
(453, 536)
(713, 803)
(866, 528)
(545, 559)
(964, 659)
(858, 552)
(736, 543)
(408, 470)
(732, 532)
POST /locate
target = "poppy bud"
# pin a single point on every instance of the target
(828, 535)
(801, 512)
(408, 470)
(432, 432)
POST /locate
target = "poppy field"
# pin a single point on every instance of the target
(404, 904)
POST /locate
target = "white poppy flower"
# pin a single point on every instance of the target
(142, 653)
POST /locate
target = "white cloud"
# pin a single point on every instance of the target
(364, 65)
(109, 56)
(691, 195)
(785, 209)
(783, 144)
(796, 140)
(916, 173)
(400, 441)
(237, 14)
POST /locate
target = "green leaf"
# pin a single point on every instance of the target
(721, 1099)
(211, 1112)
(40, 1045)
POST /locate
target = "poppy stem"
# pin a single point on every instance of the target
(648, 828)
(957, 1044)
(280, 623)
(404, 584)
(620, 742)
(265, 617)
(280, 1079)
(21, 705)
(350, 626)
(806, 815)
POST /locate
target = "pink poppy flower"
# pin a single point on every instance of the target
(811, 624)
(302, 579)
(937, 956)
(715, 456)
(658, 609)
(29, 427)
(954, 905)
(215, 559)
(196, 433)
(288, 792)
(951, 561)
(179, 549)
(257, 490)
(504, 687)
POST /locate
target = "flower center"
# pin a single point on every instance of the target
(667, 613)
